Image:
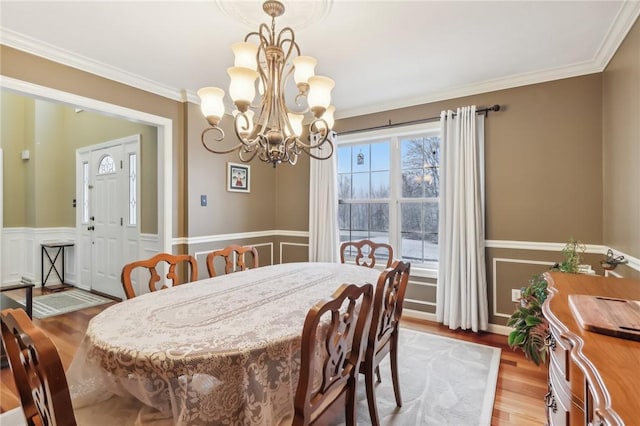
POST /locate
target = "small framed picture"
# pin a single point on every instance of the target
(238, 177)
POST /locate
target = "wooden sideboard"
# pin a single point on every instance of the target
(594, 379)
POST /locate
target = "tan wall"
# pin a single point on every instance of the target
(544, 164)
(15, 169)
(226, 212)
(621, 146)
(542, 158)
(36, 70)
(41, 190)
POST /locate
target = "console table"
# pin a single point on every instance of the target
(57, 247)
(593, 377)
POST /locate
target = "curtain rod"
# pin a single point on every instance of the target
(484, 111)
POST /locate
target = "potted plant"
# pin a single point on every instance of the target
(530, 327)
(571, 252)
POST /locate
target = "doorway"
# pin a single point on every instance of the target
(108, 217)
(163, 240)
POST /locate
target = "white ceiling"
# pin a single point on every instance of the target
(382, 54)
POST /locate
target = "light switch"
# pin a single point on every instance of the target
(203, 200)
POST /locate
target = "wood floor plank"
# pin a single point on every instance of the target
(521, 385)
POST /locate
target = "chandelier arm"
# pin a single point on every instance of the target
(313, 129)
(290, 41)
(243, 150)
(317, 157)
(262, 30)
(219, 130)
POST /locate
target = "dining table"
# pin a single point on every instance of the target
(218, 351)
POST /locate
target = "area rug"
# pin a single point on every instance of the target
(66, 301)
(443, 381)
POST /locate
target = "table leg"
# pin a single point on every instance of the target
(29, 301)
(42, 266)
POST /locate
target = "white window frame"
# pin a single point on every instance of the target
(395, 135)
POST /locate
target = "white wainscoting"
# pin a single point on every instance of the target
(495, 284)
(150, 245)
(21, 255)
(201, 256)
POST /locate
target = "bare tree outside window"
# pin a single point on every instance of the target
(369, 186)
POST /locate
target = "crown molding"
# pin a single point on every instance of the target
(627, 15)
(48, 51)
(508, 82)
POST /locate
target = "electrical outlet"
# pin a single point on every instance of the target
(515, 294)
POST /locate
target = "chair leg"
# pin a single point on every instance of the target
(378, 374)
(371, 397)
(350, 405)
(394, 370)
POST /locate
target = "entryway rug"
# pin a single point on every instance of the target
(443, 381)
(59, 303)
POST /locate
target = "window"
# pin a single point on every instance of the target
(388, 189)
(133, 188)
(107, 165)
(85, 192)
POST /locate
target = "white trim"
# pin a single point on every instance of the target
(285, 243)
(54, 53)
(423, 284)
(165, 140)
(424, 272)
(419, 302)
(499, 329)
(495, 284)
(634, 263)
(627, 15)
(239, 236)
(206, 252)
(612, 274)
(412, 313)
(493, 328)
(540, 246)
(1, 212)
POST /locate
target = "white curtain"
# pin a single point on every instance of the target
(462, 283)
(323, 207)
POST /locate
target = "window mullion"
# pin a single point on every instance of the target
(395, 193)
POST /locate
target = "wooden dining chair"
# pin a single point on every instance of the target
(383, 333)
(369, 249)
(228, 253)
(37, 371)
(332, 346)
(155, 280)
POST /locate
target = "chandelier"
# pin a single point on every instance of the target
(274, 133)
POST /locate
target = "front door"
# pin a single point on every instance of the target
(107, 218)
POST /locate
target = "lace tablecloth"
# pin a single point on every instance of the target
(220, 351)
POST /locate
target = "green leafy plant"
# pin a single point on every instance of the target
(530, 328)
(571, 252)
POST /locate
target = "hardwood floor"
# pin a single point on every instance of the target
(519, 394)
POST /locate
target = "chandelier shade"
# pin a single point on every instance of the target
(271, 127)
